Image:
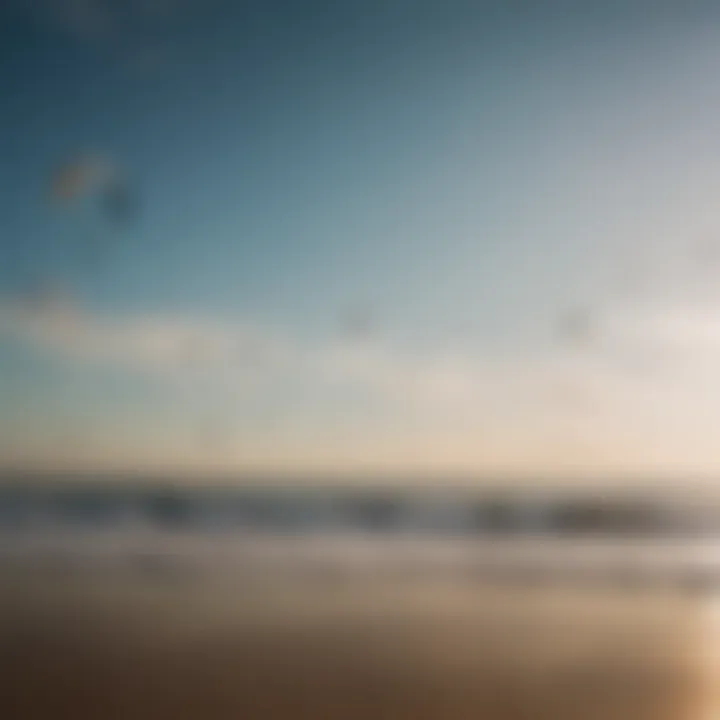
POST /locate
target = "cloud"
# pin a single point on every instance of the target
(366, 405)
(672, 337)
(459, 390)
(679, 327)
(52, 322)
(353, 400)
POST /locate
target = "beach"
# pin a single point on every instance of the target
(276, 648)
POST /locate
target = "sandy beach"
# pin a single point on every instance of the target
(273, 649)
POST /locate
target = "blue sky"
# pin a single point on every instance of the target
(464, 172)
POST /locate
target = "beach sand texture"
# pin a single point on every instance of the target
(189, 650)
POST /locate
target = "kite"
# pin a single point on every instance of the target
(73, 179)
(92, 185)
(89, 177)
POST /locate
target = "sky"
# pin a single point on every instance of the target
(389, 236)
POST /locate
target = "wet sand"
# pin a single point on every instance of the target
(271, 650)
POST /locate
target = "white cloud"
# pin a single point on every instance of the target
(674, 338)
(334, 389)
(153, 343)
(538, 406)
(187, 347)
(687, 327)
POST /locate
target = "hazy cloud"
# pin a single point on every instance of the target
(542, 406)
(457, 386)
(51, 321)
